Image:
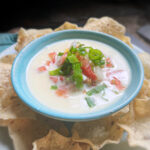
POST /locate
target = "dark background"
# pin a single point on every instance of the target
(42, 14)
(52, 13)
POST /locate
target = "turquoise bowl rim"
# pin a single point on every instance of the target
(18, 73)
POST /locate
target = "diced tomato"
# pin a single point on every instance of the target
(108, 74)
(42, 68)
(61, 78)
(62, 59)
(61, 92)
(52, 56)
(108, 62)
(54, 79)
(86, 68)
(117, 83)
(48, 63)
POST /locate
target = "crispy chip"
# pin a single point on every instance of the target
(106, 25)
(67, 25)
(109, 26)
(13, 108)
(10, 105)
(99, 132)
(145, 90)
(137, 125)
(145, 58)
(8, 59)
(6, 90)
(24, 132)
(26, 36)
(138, 132)
(55, 141)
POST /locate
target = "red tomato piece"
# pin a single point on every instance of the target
(61, 78)
(61, 92)
(108, 62)
(87, 69)
(48, 63)
(54, 79)
(62, 59)
(117, 83)
(108, 74)
(52, 56)
(42, 68)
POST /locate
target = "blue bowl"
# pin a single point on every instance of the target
(18, 74)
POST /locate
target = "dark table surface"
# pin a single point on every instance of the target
(132, 14)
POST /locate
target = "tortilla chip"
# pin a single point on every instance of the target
(106, 25)
(13, 108)
(138, 132)
(145, 58)
(137, 121)
(99, 132)
(109, 26)
(6, 90)
(8, 59)
(142, 108)
(10, 105)
(145, 90)
(55, 141)
(66, 26)
(26, 36)
(24, 132)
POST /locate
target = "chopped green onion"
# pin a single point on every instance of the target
(73, 49)
(66, 68)
(82, 51)
(96, 90)
(60, 54)
(54, 87)
(77, 75)
(55, 72)
(96, 56)
(116, 92)
(72, 59)
(103, 94)
(90, 102)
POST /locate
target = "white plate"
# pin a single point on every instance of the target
(6, 143)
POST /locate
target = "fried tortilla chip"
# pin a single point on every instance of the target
(99, 132)
(8, 59)
(66, 26)
(138, 127)
(109, 26)
(10, 105)
(24, 132)
(26, 36)
(55, 141)
(6, 90)
(145, 58)
(145, 90)
(106, 25)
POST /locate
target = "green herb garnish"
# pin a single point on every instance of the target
(76, 71)
(55, 72)
(96, 56)
(96, 90)
(60, 54)
(90, 102)
(54, 87)
(73, 59)
(77, 75)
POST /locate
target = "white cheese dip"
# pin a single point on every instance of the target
(40, 83)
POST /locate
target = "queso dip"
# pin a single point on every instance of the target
(78, 76)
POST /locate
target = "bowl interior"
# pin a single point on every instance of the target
(21, 62)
